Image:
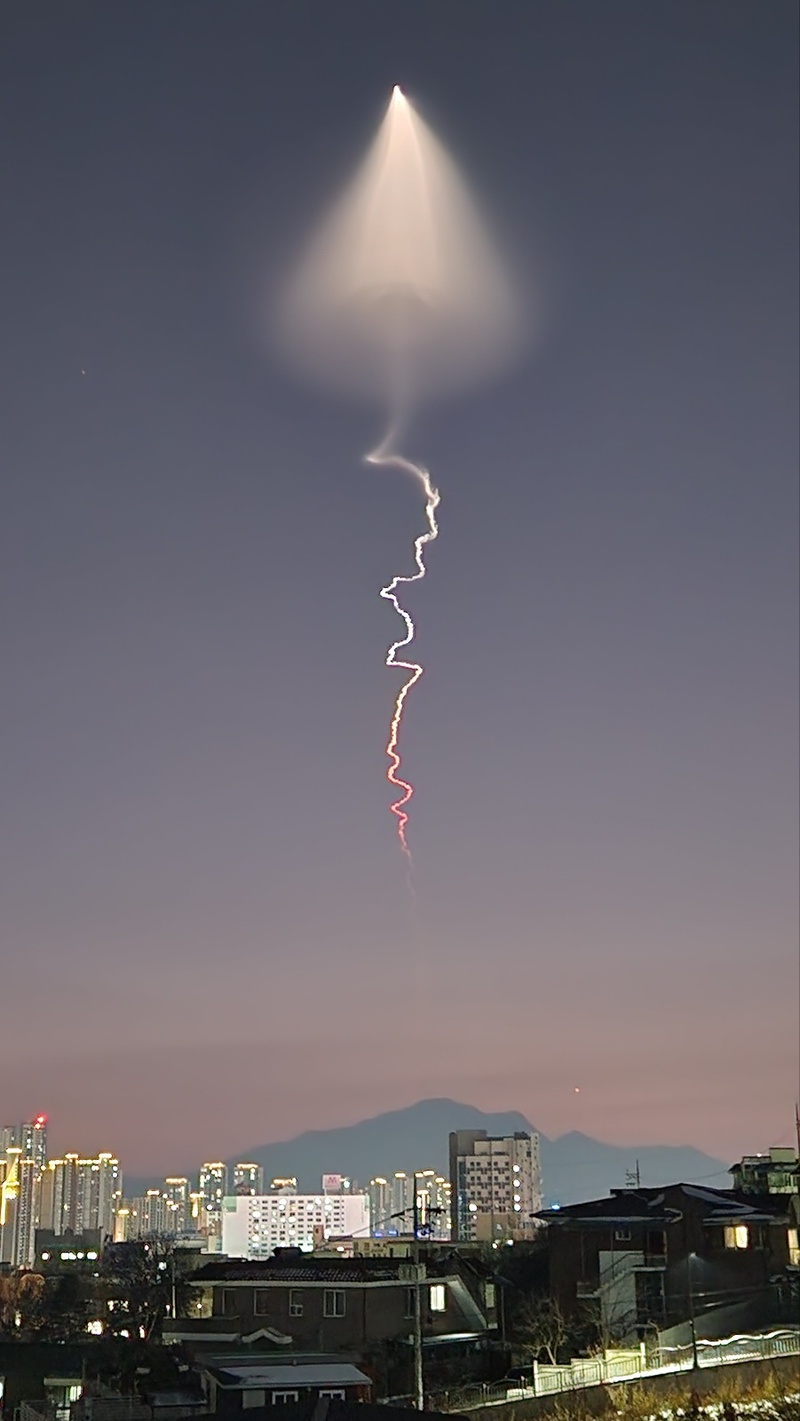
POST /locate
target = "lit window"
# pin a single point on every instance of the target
(736, 1236)
(793, 1240)
(295, 1303)
(438, 1297)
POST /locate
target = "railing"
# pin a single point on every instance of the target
(618, 1366)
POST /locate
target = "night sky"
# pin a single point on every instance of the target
(207, 936)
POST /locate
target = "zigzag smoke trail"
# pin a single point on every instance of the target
(382, 456)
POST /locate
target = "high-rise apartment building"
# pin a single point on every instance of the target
(433, 1204)
(253, 1226)
(19, 1206)
(214, 1188)
(23, 1150)
(392, 1204)
(402, 1210)
(81, 1194)
(150, 1215)
(380, 1207)
(248, 1178)
(495, 1184)
(176, 1192)
(30, 1137)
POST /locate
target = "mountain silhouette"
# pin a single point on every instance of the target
(574, 1166)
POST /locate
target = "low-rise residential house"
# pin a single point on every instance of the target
(234, 1386)
(652, 1258)
(774, 1173)
(335, 1305)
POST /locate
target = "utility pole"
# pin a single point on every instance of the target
(419, 1383)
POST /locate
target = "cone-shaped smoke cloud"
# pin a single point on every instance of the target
(400, 294)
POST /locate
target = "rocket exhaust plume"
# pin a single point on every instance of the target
(400, 297)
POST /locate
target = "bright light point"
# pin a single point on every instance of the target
(397, 92)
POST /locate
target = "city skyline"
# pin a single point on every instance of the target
(208, 938)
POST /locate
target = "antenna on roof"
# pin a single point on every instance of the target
(633, 1179)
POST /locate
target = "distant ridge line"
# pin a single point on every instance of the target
(574, 1165)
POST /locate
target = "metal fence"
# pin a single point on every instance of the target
(621, 1365)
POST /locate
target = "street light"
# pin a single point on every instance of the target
(692, 1323)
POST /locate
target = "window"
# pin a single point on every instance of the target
(333, 1395)
(622, 1235)
(260, 1302)
(793, 1240)
(229, 1302)
(737, 1236)
(410, 1307)
(279, 1398)
(438, 1297)
(656, 1243)
(295, 1303)
(333, 1303)
(489, 1295)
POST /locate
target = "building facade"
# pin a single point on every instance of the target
(495, 1186)
(80, 1194)
(213, 1188)
(248, 1178)
(656, 1258)
(334, 1305)
(19, 1207)
(254, 1226)
(774, 1173)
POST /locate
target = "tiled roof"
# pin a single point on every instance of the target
(275, 1271)
(305, 1268)
(666, 1204)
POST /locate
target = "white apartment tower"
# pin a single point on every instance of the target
(495, 1185)
(253, 1226)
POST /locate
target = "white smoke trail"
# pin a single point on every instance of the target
(385, 456)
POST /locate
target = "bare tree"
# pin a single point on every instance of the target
(543, 1329)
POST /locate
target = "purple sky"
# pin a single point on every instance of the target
(207, 940)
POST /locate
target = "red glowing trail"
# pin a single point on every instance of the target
(383, 456)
